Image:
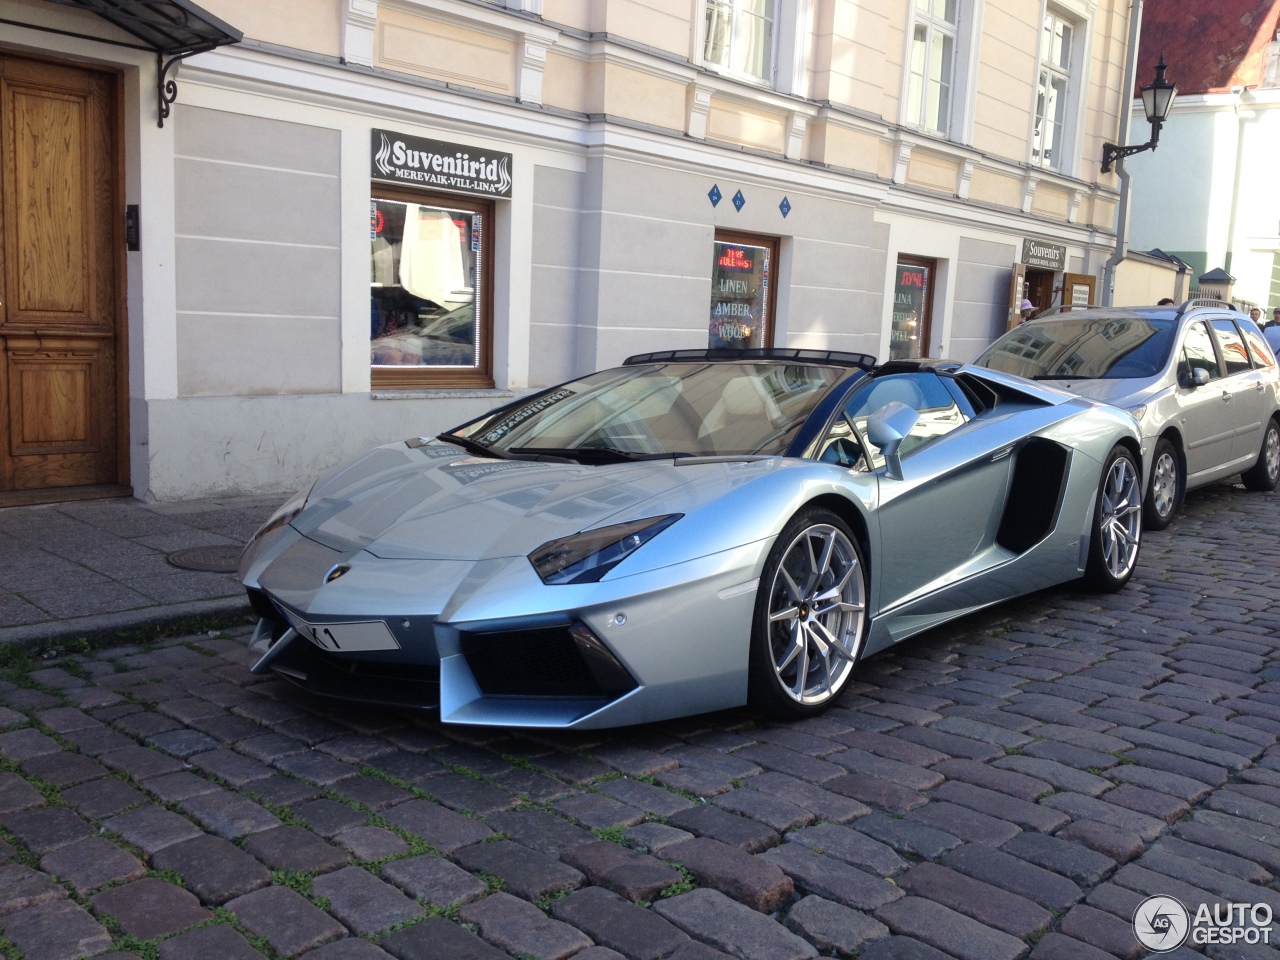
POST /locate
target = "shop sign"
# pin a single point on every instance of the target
(421, 162)
(1048, 256)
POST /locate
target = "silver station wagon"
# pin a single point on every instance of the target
(1199, 378)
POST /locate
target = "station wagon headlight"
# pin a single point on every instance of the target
(1138, 412)
(586, 557)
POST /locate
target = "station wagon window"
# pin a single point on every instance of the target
(1198, 353)
(1259, 350)
(430, 283)
(1232, 345)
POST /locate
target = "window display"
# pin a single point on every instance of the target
(909, 332)
(427, 287)
(741, 294)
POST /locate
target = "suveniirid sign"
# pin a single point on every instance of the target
(421, 162)
(1047, 256)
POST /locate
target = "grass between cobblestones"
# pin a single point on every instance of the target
(18, 665)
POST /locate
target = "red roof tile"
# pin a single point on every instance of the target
(1209, 45)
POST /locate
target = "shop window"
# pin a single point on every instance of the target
(430, 290)
(1055, 91)
(742, 291)
(909, 332)
(932, 67)
(740, 37)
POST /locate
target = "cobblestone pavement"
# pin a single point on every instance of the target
(1012, 785)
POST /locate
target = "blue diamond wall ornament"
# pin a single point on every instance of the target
(715, 194)
(785, 207)
(739, 201)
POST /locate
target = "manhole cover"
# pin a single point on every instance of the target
(207, 559)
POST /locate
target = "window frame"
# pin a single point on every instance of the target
(417, 377)
(773, 244)
(934, 27)
(1068, 162)
(772, 72)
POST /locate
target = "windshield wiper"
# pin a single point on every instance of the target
(1060, 376)
(526, 453)
(600, 454)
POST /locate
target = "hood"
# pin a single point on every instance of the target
(1123, 393)
(437, 503)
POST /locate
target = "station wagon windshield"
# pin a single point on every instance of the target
(1084, 348)
(660, 410)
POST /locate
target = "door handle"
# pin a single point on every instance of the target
(1259, 386)
(1226, 397)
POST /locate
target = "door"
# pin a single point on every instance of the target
(1078, 290)
(1204, 412)
(1017, 291)
(60, 317)
(1248, 404)
(938, 521)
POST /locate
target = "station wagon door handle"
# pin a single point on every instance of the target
(1226, 397)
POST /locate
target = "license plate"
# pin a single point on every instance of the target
(347, 637)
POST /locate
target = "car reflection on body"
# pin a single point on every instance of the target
(1200, 378)
(691, 531)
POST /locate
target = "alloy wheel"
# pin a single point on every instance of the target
(1121, 521)
(816, 611)
(1271, 451)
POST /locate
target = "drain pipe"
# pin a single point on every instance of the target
(1122, 137)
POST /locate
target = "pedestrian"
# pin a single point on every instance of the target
(1166, 302)
(1275, 317)
(1026, 309)
(1256, 316)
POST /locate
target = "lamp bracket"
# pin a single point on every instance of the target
(1111, 152)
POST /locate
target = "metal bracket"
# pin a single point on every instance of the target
(167, 89)
(1111, 152)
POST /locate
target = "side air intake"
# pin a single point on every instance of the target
(1035, 496)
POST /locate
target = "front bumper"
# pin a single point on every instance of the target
(489, 643)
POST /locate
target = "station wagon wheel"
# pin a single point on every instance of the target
(1117, 524)
(1166, 486)
(810, 616)
(1264, 474)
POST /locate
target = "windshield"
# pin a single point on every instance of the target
(661, 410)
(1084, 348)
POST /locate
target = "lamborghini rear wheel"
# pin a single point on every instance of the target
(810, 616)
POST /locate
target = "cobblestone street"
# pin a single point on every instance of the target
(1011, 785)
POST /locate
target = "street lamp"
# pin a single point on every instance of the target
(1157, 100)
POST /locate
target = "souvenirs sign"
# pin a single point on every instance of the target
(419, 162)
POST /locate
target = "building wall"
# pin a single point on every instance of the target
(249, 303)
(981, 294)
(1217, 157)
(257, 233)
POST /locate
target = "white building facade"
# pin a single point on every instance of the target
(373, 219)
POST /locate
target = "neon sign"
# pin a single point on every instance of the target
(735, 258)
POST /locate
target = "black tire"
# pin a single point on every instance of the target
(1164, 493)
(1264, 474)
(779, 642)
(1115, 536)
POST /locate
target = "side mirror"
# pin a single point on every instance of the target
(1199, 378)
(887, 428)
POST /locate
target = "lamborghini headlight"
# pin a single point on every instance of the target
(291, 508)
(586, 557)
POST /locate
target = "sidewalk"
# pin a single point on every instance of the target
(95, 566)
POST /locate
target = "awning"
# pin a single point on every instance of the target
(174, 29)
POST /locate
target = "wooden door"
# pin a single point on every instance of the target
(1017, 293)
(1078, 290)
(61, 409)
